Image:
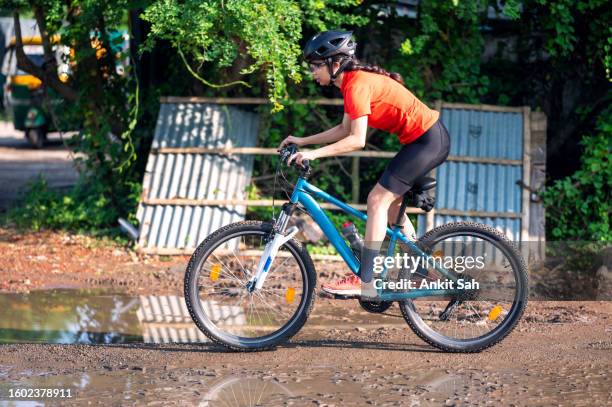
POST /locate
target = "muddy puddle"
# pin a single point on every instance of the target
(322, 386)
(98, 317)
(145, 350)
(94, 317)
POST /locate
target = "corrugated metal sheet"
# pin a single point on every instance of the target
(472, 186)
(460, 246)
(477, 133)
(511, 227)
(195, 176)
(479, 187)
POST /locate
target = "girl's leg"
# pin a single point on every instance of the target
(379, 202)
(405, 223)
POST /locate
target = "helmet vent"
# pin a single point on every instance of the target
(336, 41)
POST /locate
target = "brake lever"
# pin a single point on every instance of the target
(287, 152)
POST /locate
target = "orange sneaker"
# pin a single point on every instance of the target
(348, 286)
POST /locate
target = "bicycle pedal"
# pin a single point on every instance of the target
(332, 296)
(345, 297)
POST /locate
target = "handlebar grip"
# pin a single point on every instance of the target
(288, 151)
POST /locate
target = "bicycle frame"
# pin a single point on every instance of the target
(305, 194)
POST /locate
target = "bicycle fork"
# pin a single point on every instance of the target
(271, 250)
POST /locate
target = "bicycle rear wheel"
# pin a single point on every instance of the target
(229, 314)
(480, 316)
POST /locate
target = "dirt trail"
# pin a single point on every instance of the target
(539, 364)
(559, 354)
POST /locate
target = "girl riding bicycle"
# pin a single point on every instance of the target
(376, 98)
(250, 285)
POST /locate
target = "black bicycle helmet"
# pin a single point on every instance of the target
(328, 44)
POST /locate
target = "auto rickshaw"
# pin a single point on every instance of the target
(24, 96)
(23, 93)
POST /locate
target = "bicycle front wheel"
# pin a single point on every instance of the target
(218, 299)
(492, 295)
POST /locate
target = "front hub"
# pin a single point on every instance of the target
(250, 286)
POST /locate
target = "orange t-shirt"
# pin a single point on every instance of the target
(390, 106)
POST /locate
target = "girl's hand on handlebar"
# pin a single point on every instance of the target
(290, 140)
(300, 156)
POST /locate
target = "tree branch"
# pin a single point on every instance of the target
(23, 62)
(48, 72)
(44, 35)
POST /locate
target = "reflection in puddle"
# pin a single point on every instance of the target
(248, 389)
(93, 317)
(235, 391)
(420, 387)
(68, 316)
(90, 317)
(165, 319)
(132, 388)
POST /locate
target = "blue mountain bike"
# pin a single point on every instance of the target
(462, 287)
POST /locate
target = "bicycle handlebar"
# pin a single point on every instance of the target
(288, 151)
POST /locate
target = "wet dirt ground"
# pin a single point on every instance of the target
(559, 354)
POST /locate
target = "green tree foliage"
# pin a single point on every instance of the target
(100, 99)
(256, 35)
(579, 206)
(556, 57)
(86, 208)
(440, 55)
(549, 54)
(564, 47)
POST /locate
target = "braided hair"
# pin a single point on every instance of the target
(356, 65)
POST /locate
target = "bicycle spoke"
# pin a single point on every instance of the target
(239, 262)
(284, 314)
(230, 275)
(225, 267)
(483, 308)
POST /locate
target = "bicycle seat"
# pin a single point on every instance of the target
(423, 184)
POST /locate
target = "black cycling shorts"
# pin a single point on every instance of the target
(416, 159)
